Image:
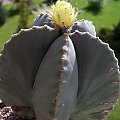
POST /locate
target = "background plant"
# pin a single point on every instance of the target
(3, 14)
(112, 36)
(24, 13)
(95, 6)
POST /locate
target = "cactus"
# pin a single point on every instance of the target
(51, 73)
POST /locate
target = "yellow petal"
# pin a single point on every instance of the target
(63, 14)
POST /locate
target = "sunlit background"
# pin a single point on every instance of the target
(105, 14)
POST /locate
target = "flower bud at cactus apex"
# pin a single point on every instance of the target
(59, 70)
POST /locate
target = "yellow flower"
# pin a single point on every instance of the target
(63, 14)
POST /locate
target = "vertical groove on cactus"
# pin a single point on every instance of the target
(50, 64)
(60, 82)
(70, 80)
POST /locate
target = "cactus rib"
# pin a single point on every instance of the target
(98, 77)
(20, 61)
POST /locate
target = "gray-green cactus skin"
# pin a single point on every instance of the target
(51, 75)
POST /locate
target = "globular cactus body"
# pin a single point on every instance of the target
(51, 75)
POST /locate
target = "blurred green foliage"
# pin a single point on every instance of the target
(50, 1)
(112, 36)
(95, 6)
(3, 14)
(24, 13)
